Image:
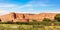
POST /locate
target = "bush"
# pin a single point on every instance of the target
(1, 22)
(9, 22)
(57, 17)
(46, 22)
(56, 23)
(26, 23)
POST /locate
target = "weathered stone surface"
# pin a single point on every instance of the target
(19, 17)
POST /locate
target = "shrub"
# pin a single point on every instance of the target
(46, 22)
(9, 22)
(1, 22)
(26, 23)
(57, 17)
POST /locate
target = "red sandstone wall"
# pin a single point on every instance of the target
(7, 17)
(19, 17)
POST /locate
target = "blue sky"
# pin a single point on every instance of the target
(29, 6)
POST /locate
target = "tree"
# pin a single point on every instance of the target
(46, 22)
(46, 19)
(57, 18)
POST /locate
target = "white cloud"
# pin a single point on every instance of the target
(55, 11)
(43, 4)
(6, 8)
(51, 12)
(39, 3)
(7, 5)
(29, 12)
(2, 12)
(26, 5)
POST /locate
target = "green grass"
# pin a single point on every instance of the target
(27, 27)
(31, 26)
